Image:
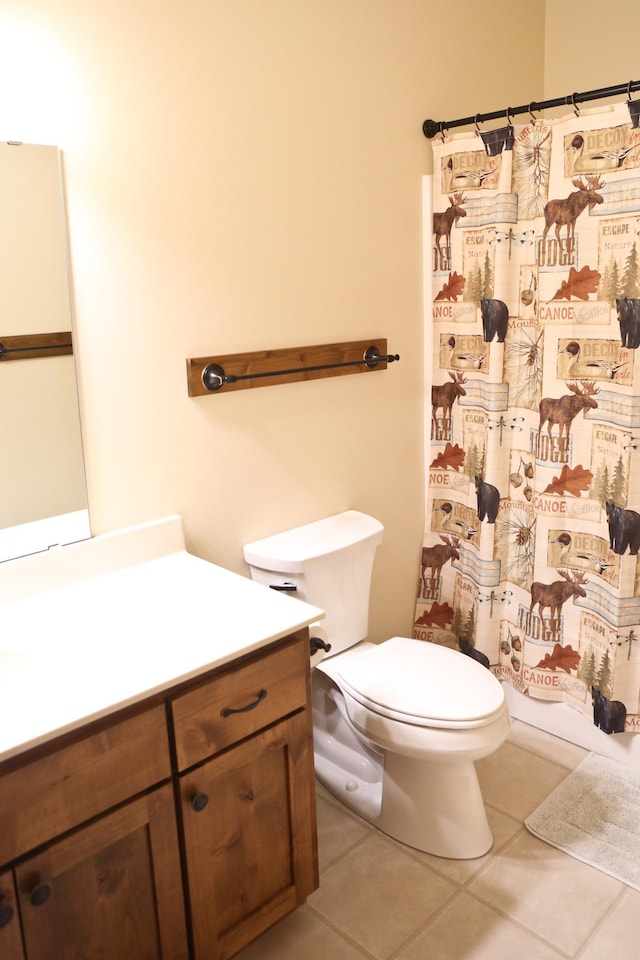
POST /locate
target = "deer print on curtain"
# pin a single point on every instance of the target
(532, 539)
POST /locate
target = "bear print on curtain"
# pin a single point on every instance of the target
(530, 559)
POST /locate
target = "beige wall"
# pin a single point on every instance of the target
(246, 174)
(590, 45)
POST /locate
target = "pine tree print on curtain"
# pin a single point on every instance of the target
(530, 560)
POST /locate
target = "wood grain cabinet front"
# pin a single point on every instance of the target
(248, 803)
(248, 819)
(110, 889)
(10, 933)
(81, 778)
(241, 699)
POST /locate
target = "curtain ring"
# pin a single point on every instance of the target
(629, 85)
(531, 114)
(573, 104)
(508, 113)
(441, 129)
(476, 123)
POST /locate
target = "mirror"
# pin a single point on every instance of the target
(43, 500)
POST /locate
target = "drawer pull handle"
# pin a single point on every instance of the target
(250, 706)
(39, 895)
(6, 915)
(199, 802)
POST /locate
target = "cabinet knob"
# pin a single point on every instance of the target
(6, 915)
(199, 801)
(39, 894)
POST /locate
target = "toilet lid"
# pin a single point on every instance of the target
(422, 683)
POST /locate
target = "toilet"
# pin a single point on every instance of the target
(397, 725)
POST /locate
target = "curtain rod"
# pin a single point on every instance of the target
(431, 127)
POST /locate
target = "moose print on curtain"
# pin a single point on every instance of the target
(530, 559)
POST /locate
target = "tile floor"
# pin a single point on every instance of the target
(524, 900)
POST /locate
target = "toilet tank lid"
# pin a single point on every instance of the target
(294, 550)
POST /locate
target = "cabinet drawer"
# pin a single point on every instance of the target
(56, 792)
(234, 704)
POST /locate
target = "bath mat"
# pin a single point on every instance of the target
(594, 815)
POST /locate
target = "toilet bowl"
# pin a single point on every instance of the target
(397, 725)
(425, 713)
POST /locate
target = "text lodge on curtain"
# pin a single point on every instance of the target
(530, 559)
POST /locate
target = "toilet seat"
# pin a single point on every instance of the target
(424, 684)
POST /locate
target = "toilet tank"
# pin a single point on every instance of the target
(327, 563)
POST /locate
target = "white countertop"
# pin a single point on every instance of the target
(100, 625)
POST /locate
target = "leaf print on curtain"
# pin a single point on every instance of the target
(532, 538)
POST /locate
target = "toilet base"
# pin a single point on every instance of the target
(431, 805)
(362, 796)
(435, 807)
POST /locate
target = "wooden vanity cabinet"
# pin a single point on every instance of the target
(194, 810)
(247, 801)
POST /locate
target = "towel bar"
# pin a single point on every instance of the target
(207, 375)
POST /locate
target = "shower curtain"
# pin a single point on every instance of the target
(532, 533)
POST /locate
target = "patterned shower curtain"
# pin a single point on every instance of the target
(532, 537)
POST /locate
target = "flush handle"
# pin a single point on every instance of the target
(316, 643)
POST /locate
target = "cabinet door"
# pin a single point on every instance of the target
(10, 934)
(250, 837)
(110, 890)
